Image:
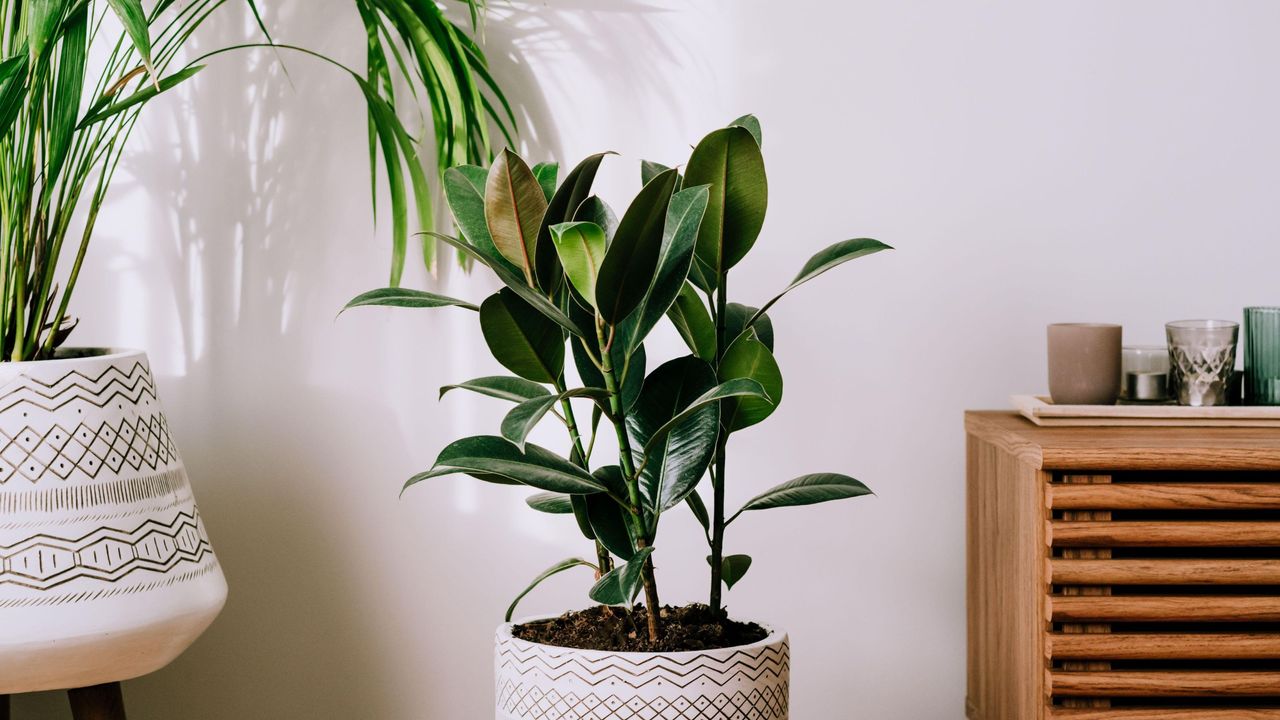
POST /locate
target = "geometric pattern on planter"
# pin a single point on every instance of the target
(543, 682)
(57, 452)
(767, 703)
(44, 561)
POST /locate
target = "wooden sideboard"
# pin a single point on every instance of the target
(1122, 573)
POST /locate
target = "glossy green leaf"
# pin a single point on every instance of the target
(535, 299)
(551, 503)
(525, 341)
(609, 525)
(738, 315)
(464, 191)
(595, 210)
(744, 388)
(733, 567)
(650, 170)
(561, 209)
(699, 510)
(632, 258)
(680, 232)
(546, 173)
(549, 572)
(752, 124)
(807, 490)
(515, 389)
(827, 258)
(621, 585)
(693, 322)
(524, 417)
(749, 358)
(579, 504)
(674, 461)
(728, 160)
(494, 459)
(405, 298)
(580, 247)
(141, 96)
(513, 206)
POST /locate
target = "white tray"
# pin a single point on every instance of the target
(1041, 411)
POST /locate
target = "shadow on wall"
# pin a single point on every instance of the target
(295, 430)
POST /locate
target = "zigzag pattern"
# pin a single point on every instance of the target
(767, 663)
(525, 702)
(43, 561)
(113, 383)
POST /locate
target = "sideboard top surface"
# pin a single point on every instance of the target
(1127, 448)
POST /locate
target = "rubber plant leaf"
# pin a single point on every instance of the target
(503, 387)
(807, 490)
(633, 255)
(494, 459)
(525, 341)
(749, 358)
(549, 572)
(405, 298)
(580, 247)
(728, 160)
(680, 232)
(514, 205)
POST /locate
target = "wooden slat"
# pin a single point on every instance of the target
(1164, 646)
(1166, 608)
(1235, 713)
(1164, 572)
(1090, 517)
(1163, 683)
(1064, 533)
(1166, 496)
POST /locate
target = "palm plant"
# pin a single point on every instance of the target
(413, 43)
(575, 274)
(75, 76)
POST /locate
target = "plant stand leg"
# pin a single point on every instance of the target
(100, 702)
(4, 707)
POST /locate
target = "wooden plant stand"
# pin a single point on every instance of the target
(100, 702)
(1123, 573)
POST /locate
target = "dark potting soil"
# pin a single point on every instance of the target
(692, 627)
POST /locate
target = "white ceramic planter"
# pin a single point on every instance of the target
(544, 682)
(105, 569)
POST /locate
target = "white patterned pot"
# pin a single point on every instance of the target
(545, 682)
(105, 569)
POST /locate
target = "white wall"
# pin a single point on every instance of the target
(1033, 161)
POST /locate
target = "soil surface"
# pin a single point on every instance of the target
(692, 627)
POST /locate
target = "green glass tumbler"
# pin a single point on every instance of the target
(1262, 355)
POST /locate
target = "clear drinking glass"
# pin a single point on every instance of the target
(1202, 354)
(1262, 355)
(1144, 373)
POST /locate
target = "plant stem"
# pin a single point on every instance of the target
(579, 457)
(722, 441)
(625, 460)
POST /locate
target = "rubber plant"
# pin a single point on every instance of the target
(582, 291)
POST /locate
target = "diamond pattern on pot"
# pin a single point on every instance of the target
(529, 702)
(144, 442)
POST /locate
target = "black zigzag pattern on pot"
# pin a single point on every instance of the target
(530, 702)
(131, 386)
(141, 443)
(107, 554)
(766, 662)
(78, 497)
